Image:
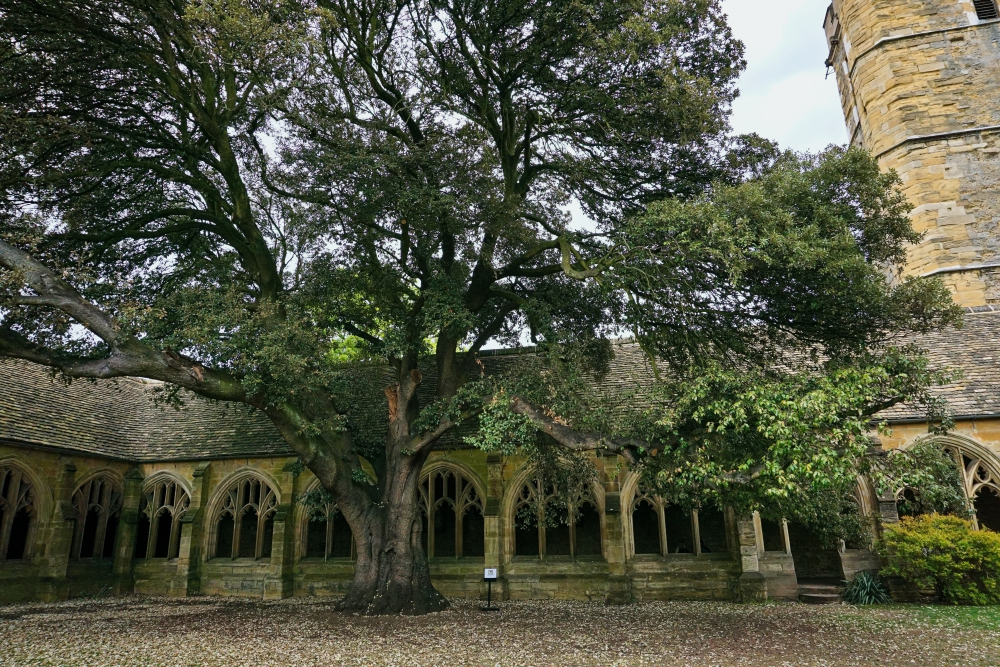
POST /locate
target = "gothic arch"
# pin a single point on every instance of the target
(164, 500)
(22, 507)
(97, 501)
(438, 463)
(512, 499)
(452, 502)
(979, 470)
(707, 533)
(164, 476)
(866, 497)
(333, 526)
(240, 493)
(43, 492)
(979, 466)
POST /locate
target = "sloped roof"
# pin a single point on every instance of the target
(121, 419)
(973, 350)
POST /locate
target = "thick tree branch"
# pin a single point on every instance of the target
(57, 292)
(570, 438)
(129, 357)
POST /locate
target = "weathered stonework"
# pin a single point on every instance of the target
(920, 88)
(920, 84)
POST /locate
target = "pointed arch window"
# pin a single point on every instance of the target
(98, 505)
(164, 503)
(452, 513)
(327, 534)
(981, 485)
(17, 514)
(546, 525)
(244, 525)
(660, 528)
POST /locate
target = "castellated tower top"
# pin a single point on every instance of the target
(920, 87)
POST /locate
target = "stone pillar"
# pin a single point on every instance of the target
(618, 588)
(280, 582)
(888, 512)
(127, 528)
(493, 546)
(752, 586)
(59, 538)
(190, 554)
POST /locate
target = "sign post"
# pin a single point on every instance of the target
(489, 576)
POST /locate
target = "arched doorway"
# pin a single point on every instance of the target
(816, 560)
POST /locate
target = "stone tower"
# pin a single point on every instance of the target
(920, 86)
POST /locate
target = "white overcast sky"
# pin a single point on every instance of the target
(784, 94)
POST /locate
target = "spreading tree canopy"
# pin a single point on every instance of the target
(261, 201)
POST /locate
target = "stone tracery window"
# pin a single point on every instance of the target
(981, 486)
(659, 528)
(980, 479)
(17, 514)
(328, 535)
(452, 513)
(545, 525)
(244, 525)
(164, 503)
(98, 505)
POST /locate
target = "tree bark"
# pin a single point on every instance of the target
(391, 574)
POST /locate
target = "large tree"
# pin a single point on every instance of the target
(244, 198)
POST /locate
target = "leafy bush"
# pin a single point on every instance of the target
(866, 588)
(945, 554)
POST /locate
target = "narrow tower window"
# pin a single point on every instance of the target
(986, 9)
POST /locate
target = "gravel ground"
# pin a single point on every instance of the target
(225, 631)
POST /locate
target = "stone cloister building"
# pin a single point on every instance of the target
(102, 489)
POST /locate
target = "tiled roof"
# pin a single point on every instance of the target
(120, 419)
(974, 351)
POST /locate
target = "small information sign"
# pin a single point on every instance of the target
(489, 576)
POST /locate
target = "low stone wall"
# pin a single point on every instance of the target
(683, 577)
(779, 572)
(241, 577)
(156, 576)
(323, 578)
(90, 577)
(556, 578)
(20, 582)
(859, 560)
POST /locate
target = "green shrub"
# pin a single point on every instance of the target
(944, 554)
(866, 588)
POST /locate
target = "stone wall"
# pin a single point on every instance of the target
(747, 571)
(614, 575)
(920, 88)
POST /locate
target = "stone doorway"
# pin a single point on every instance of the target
(815, 561)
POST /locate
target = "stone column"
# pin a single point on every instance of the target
(887, 509)
(618, 588)
(127, 528)
(752, 586)
(280, 582)
(59, 537)
(493, 545)
(190, 554)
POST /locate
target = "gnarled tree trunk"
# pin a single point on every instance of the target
(391, 573)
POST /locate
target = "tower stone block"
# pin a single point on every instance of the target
(920, 87)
